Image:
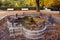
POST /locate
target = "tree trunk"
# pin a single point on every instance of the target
(37, 6)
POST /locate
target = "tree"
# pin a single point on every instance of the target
(37, 6)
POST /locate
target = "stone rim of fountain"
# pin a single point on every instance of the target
(44, 28)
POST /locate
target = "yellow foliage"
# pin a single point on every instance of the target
(48, 3)
(28, 2)
(56, 3)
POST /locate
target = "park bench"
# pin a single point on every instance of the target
(24, 9)
(10, 9)
(47, 9)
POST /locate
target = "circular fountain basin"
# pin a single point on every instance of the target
(34, 34)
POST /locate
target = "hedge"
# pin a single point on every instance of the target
(18, 8)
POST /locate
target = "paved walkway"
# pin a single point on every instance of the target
(2, 13)
(5, 13)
